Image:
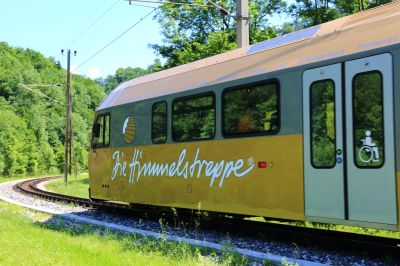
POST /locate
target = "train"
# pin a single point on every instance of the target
(302, 127)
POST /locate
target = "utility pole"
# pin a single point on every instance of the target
(72, 158)
(69, 157)
(242, 23)
(67, 121)
(242, 17)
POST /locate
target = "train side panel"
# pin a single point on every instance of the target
(244, 176)
(396, 80)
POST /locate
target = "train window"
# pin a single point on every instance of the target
(106, 130)
(251, 110)
(159, 122)
(322, 127)
(368, 135)
(194, 118)
(101, 131)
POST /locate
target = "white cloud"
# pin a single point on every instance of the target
(94, 72)
(73, 71)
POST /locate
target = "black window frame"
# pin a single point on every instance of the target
(244, 86)
(152, 122)
(97, 145)
(188, 97)
(334, 121)
(383, 119)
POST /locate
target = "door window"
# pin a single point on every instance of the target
(101, 131)
(368, 120)
(323, 143)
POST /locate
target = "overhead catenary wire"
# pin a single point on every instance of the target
(168, 3)
(44, 85)
(93, 23)
(141, 5)
(116, 38)
(39, 93)
(221, 9)
(224, 11)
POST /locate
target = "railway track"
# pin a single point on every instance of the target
(334, 241)
(30, 187)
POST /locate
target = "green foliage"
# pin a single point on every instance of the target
(32, 128)
(217, 43)
(191, 33)
(155, 67)
(194, 118)
(29, 234)
(250, 109)
(122, 75)
(159, 122)
(323, 123)
(125, 74)
(314, 12)
(18, 155)
(368, 116)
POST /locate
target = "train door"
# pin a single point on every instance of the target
(323, 142)
(370, 140)
(98, 157)
(349, 141)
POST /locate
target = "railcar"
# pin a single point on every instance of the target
(301, 127)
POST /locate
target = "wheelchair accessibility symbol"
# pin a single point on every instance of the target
(369, 151)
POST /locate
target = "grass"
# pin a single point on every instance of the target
(354, 229)
(6, 179)
(32, 238)
(77, 188)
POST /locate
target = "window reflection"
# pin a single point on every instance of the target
(251, 110)
(323, 143)
(159, 122)
(194, 118)
(368, 119)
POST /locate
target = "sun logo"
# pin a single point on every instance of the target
(129, 129)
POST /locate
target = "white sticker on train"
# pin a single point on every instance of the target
(181, 167)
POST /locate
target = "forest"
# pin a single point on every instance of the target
(32, 127)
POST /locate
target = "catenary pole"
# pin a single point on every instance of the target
(70, 134)
(73, 159)
(67, 121)
(242, 28)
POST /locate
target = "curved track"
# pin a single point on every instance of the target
(30, 187)
(372, 246)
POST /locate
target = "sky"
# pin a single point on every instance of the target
(48, 26)
(86, 26)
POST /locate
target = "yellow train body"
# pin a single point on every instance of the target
(225, 176)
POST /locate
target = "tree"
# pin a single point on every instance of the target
(191, 33)
(32, 129)
(121, 75)
(155, 67)
(313, 12)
